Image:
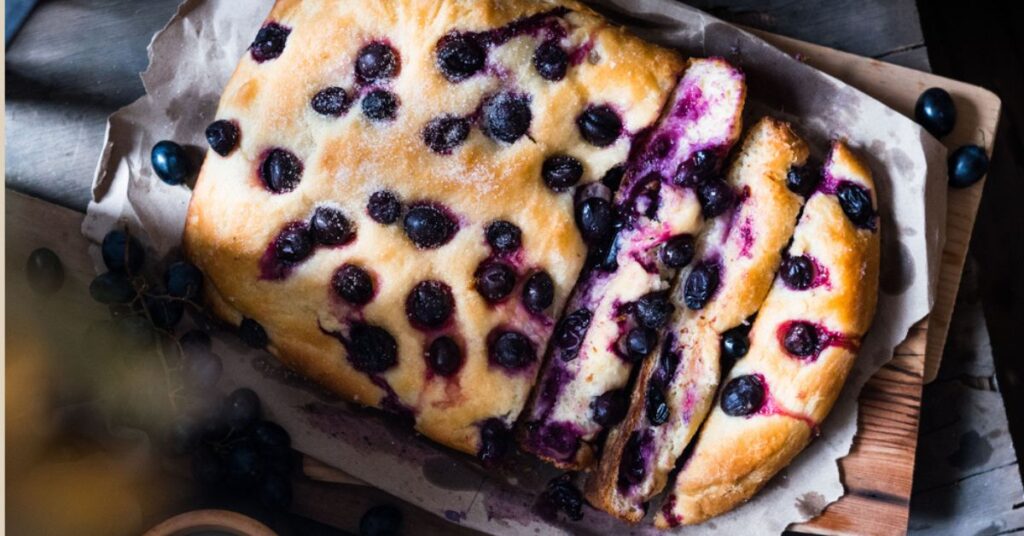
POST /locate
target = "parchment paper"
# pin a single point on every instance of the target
(191, 60)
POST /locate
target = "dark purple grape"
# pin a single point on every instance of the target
(506, 117)
(551, 61)
(966, 166)
(377, 61)
(253, 334)
(797, 272)
(742, 396)
(164, 313)
(803, 180)
(613, 177)
(735, 343)
(715, 197)
(275, 491)
(610, 408)
(444, 356)
(111, 287)
(633, 466)
(380, 105)
(494, 280)
(353, 284)
(245, 464)
(241, 408)
(678, 251)
(281, 171)
(330, 227)
(429, 227)
(381, 520)
(331, 101)
(45, 272)
(640, 342)
(656, 408)
(512, 350)
(294, 243)
(122, 253)
(569, 333)
(170, 162)
(801, 339)
(459, 56)
(538, 292)
(429, 304)
(561, 172)
(856, 204)
(442, 134)
(269, 43)
(503, 236)
(560, 495)
(223, 136)
(701, 285)
(599, 125)
(699, 168)
(495, 442)
(936, 112)
(371, 349)
(184, 280)
(652, 310)
(384, 207)
(595, 220)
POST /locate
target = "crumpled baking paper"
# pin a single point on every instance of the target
(191, 60)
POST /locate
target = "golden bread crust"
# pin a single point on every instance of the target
(232, 218)
(747, 240)
(799, 391)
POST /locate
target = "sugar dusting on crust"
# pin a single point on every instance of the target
(348, 156)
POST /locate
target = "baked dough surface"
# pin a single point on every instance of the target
(234, 218)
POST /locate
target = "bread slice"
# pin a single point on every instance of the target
(362, 153)
(741, 250)
(657, 202)
(802, 345)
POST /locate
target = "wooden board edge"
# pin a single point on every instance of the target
(979, 111)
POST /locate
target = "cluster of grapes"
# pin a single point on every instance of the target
(134, 301)
(234, 448)
(230, 445)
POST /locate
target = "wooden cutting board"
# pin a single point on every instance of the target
(878, 473)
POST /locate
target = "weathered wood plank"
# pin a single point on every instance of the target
(869, 29)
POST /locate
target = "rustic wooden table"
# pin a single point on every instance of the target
(76, 61)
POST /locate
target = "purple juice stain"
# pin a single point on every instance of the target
(392, 404)
(805, 340)
(556, 440)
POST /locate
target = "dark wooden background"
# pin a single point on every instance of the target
(76, 61)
